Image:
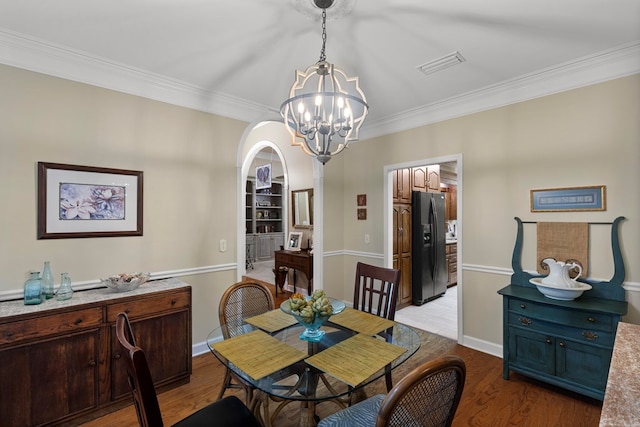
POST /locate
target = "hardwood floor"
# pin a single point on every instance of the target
(487, 400)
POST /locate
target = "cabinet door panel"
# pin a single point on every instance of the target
(406, 290)
(404, 246)
(402, 186)
(584, 364)
(419, 178)
(531, 350)
(59, 378)
(167, 360)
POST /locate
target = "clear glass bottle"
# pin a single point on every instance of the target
(47, 281)
(64, 291)
(33, 289)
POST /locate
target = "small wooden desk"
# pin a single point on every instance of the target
(302, 261)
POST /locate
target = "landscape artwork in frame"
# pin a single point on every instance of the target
(84, 201)
(263, 176)
(569, 199)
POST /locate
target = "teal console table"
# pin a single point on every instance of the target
(565, 343)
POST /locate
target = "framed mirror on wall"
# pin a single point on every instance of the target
(302, 206)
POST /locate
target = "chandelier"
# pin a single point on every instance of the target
(326, 108)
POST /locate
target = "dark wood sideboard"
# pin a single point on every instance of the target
(60, 363)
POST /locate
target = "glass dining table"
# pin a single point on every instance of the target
(267, 352)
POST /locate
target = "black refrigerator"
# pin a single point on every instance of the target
(428, 247)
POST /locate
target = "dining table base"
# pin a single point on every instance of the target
(267, 408)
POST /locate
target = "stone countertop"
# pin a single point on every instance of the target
(17, 307)
(621, 406)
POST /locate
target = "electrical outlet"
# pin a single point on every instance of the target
(223, 245)
(367, 239)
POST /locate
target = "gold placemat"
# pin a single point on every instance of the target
(356, 359)
(258, 353)
(361, 321)
(563, 241)
(272, 321)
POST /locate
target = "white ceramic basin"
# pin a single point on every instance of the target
(562, 293)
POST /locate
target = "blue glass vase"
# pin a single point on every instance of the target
(33, 289)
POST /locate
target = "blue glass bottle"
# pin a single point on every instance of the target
(33, 289)
(47, 281)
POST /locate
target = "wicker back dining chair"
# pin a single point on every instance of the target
(240, 301)
(429, 395)
(227, 412)
(376, 290)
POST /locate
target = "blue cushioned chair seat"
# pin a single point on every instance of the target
(362, 414)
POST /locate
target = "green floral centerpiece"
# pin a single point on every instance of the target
(312, 312)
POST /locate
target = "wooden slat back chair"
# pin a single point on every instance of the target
(429, 395)
(376, 290)
(239, 302)
(228, 412)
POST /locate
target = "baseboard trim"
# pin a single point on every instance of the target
(481, 345)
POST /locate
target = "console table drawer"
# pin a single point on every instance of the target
(577, 318)
(63, 323)
(294, 262)
(148, 306)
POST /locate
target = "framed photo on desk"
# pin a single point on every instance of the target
(294, 241)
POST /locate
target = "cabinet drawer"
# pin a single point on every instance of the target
(577, 318)
(62, 323)
(584, 335)
(149, 306)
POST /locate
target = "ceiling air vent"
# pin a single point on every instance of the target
(441, 63)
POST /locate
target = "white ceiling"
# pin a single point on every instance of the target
(238, 57)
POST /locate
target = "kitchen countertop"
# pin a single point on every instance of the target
(451, 241)
(621, 406)
(17, 307)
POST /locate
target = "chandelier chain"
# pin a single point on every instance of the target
(323, 56)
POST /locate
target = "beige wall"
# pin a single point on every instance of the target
(190, 160)
(189, 164)
(589, 136)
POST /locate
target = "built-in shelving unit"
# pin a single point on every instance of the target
(264, 220)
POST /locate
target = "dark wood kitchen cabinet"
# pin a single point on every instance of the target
(426, 178)
(402, 252)
(60, 364)
(402, 186)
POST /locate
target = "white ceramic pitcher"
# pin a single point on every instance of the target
(559, 273)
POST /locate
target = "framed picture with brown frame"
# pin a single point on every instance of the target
(85, 201)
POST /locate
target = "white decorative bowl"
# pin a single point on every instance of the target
(562, 293)
(125, 282)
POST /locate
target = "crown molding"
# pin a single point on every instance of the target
(31, 54)
(607, 65)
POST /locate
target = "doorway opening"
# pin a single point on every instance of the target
(442, 313)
